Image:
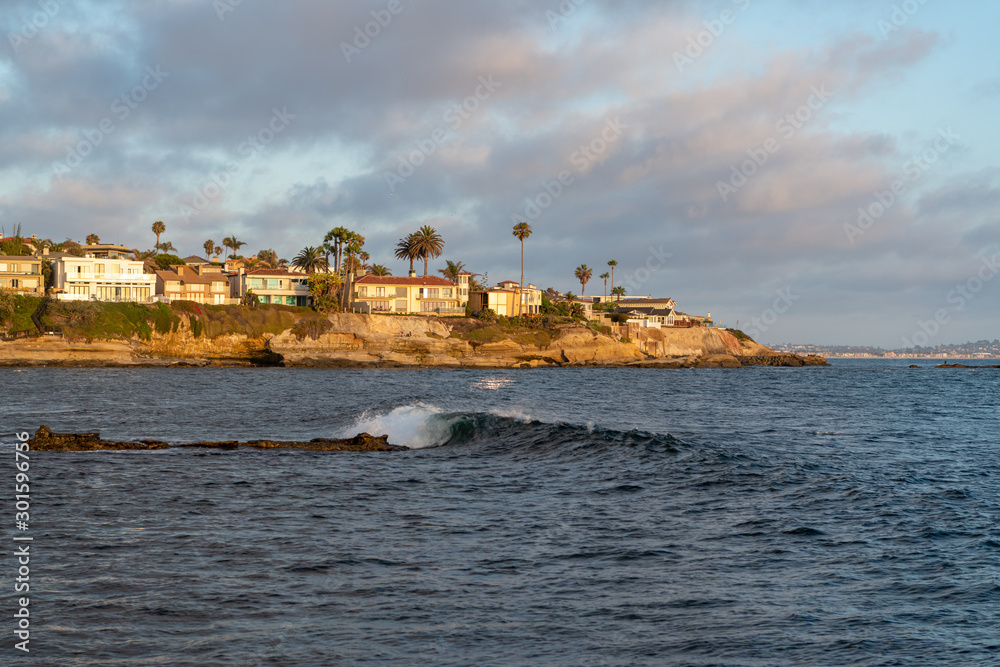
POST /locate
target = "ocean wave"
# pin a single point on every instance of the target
(422, 426)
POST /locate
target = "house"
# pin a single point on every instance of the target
(276, 286)
(103, 278)
(22, 274)
(413, 294)
(108, 251)
(201, 284)
(195, 260)
(503, 299)
(649, 316)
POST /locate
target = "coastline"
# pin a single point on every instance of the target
(348, 340)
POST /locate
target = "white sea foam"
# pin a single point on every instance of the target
(412, 426)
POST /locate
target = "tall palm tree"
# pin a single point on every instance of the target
(158, 228)
(93, 239)
(583, 274)
(209, 249)
(310, 259)
(605, 277)
(233, 243)
(429, 244)
(522, 230)
(379, 270)
(452, 270)
(334, 242)
(407, 249)
(612, 263)
(218, 251)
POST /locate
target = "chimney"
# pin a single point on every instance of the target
(413, 274)
(45, 252)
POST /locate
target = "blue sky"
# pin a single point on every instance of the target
(267, 121)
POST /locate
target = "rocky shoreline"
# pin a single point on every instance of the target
(383, 341)
(45, 440)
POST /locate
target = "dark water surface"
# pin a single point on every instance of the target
(831, 516)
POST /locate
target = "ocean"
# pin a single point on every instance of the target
(761, 516)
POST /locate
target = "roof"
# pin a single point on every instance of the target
(404, 280)
(194, 278)
(21, 258)
(195, 259)
(277, 272)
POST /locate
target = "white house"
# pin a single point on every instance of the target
(102, 279)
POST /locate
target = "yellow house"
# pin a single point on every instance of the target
(503, 299)
(21, 274)
(201, 284)
(422, 295)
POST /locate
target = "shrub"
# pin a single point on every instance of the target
(487, 315)
(163, 262)
(740, 336)
(313, 328)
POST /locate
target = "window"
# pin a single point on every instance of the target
(256, 282)
(446, 293)
(400, 292)
(379, 291)
(362, 291)
(400, 306)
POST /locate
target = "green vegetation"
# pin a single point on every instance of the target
(311, 328)
(163, 262)
(740, 336)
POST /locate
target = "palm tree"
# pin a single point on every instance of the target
(583, 274)
(310, 259)
(209, 249)
(612, 263)
(429, 244)
(166, 247)
(268, 258)
(253, 263)
(234, 243)
(334, 242)
(618, 291)
(93, 239)
(605, 277)
(407, 249)
(379, 270)
(158, 228)
(452, 270)
(522, 230)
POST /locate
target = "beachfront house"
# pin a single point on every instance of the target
(273, 286)
(503, 299)
(106, 273)
(22, 274)
(201, 284)
(413, 294)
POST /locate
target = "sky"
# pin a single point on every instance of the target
(811, 172)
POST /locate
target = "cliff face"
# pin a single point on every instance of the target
(389, 341)
(418, 341)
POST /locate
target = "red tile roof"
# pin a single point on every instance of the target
(404, 280)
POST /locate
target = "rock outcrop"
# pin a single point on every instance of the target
(46, 440)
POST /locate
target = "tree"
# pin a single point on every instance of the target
(583, 274)
(323, 289)
(407, 249)
(233, 243)
(618, 291)
(612, 263)
(334, 242)
(451, 271)
(166, 246)
(93, 239)
(310, 259)
(268, 258)
(158, 228)
(522, 230)
(605, 277)
(164, 261)
(218, 251)
(209, 249)
(379, 270)
(429, 244)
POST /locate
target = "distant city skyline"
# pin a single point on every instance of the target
(816, 172)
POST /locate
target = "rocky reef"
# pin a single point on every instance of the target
(46, 440)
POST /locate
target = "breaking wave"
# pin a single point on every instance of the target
(421, 426)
